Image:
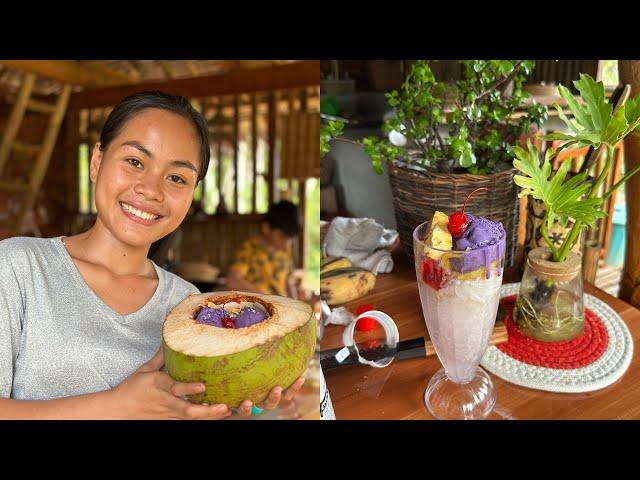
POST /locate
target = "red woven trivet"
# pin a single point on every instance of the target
(583, 350)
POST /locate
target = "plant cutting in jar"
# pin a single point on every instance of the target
(549, 305)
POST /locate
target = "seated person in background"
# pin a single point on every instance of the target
(264, 263)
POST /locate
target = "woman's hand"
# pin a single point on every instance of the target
(274, 398)
(151, 394)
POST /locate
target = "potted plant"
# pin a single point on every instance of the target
(550, 301)
(448, 140)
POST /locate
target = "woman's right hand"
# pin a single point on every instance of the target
(151, 394)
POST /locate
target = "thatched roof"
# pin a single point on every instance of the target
(89, 74)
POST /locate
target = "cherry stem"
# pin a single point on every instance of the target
(467, 199)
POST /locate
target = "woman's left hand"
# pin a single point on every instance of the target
(272, 401)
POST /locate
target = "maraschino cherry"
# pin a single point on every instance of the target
(227, 322)
(458, 220)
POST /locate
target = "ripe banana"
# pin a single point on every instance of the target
(345, 284)
(333, 263)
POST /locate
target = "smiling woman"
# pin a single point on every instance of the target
(80, 315)
(149, 179)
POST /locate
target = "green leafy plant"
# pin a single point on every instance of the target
(466, 127)
(329, 131)
(579, 198)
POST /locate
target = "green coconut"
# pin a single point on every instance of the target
(243, 363)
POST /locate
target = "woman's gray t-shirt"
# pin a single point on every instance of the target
(57, 337)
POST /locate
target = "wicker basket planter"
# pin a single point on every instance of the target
(417, 194)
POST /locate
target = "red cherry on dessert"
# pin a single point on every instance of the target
(227, 322)
(457, 223)
(458, 220)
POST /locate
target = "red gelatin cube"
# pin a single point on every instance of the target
(432, 273)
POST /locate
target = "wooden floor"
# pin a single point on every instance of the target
(608, 279)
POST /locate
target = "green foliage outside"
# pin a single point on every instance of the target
(610, 73)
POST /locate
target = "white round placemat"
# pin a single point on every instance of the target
(603, 372)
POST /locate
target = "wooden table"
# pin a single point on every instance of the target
(396, 392)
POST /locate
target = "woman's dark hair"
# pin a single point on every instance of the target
(133, 104)
(284, 216)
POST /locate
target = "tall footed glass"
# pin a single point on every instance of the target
(460, 294)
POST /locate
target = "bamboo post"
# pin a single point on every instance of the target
(203, 184)
(72, 128)
(271, 174)
(254, 151)
(629, 71)
(236, 176)
(222, 207)
(610, 204)
(590, 259)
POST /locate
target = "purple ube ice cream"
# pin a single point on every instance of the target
(486, 238)
(211, 316)
(246, 317)
(480, 232)
(249, 316)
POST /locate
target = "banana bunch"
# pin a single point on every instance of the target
(341, 282)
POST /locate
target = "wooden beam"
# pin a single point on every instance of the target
(193, 69)
(119, 76)
(166, 68)
(70, 71)
(251, 64)
(293, 75)
(629, 72)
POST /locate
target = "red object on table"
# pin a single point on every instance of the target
(366, 323)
